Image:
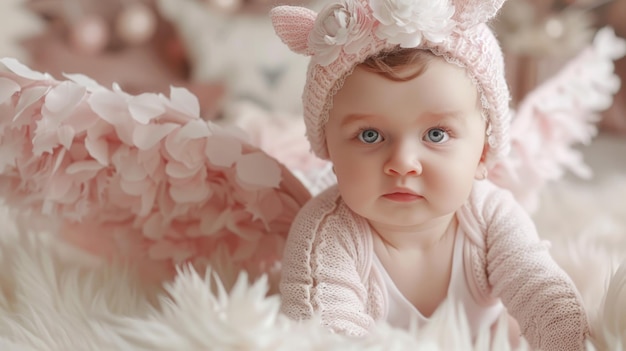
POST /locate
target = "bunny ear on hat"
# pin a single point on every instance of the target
(293, 25)
(470, 13)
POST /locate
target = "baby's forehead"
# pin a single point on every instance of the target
(438, 83)
(428, 116)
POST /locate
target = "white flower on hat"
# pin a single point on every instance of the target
(406, 22)
(345, 25)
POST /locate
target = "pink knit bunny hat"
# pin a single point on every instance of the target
(346, 32)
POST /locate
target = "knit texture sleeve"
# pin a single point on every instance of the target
(322, 274)
(521, 272)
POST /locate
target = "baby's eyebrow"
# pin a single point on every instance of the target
(446, 114)
(429, 116)
(354, 117)
(439, 116)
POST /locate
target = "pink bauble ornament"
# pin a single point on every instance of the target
(89, 35)
(136, 24)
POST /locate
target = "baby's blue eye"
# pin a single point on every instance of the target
(437, 135)
(369, 136)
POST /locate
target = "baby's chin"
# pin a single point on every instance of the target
(407, 218)
(396, 221)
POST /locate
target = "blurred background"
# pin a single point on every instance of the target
(226, 53)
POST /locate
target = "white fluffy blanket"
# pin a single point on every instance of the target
(55, 298)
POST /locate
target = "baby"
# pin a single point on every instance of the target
(408, 101)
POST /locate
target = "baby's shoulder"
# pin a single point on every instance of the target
(495, 211)
(326, 234)
(326, 217)
(326, 214)
(487, 199)
(327, 201)
(490, 206)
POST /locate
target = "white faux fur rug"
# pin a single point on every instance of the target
(54, 298)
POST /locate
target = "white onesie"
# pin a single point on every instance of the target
(401, 311)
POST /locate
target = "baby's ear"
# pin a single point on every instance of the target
(293, 25)
(481, 168)
(469, 13)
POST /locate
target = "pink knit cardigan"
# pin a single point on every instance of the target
(328, 269)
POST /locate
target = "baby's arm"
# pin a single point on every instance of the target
(320, 276)
(535, 290)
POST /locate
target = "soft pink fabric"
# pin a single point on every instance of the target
(328, 269)
(465, 41)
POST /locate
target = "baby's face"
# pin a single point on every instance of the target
(406, 152)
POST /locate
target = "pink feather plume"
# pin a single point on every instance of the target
(556, 116)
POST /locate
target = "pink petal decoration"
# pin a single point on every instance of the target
(145, 108)
(64, 98)
(154, 227)
(214, 221)
(82, 166)
(150, 160)
(8, 87)
(136, 188)
(28, 97)
(195, 129)
(187, 152)
(9, 152)
(126, 161)
(180, 170)
(66, 135)
(81, 118)
(45, 139)
(184, 101)
(258, 170)
(140, 177)
(22, 70)
(82, 80)
(146, 136)
(223, 151)
(60, 187)
(193, 192)
(98, 149)
(110, 106)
